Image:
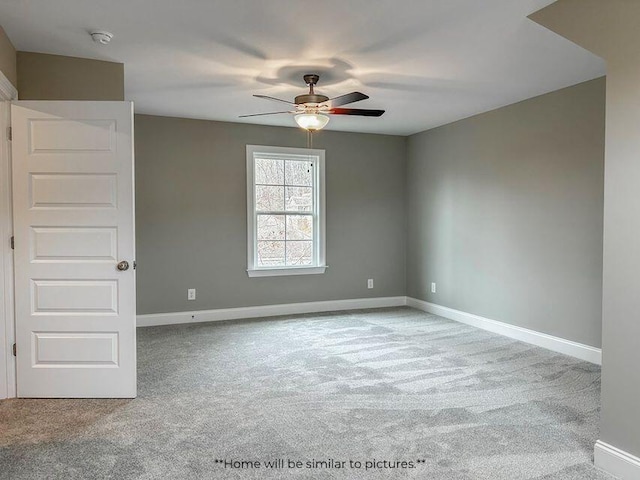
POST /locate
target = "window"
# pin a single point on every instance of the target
(285, 211)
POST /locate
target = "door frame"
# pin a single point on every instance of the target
(7, 326)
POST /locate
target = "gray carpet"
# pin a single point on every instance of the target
(394, 385)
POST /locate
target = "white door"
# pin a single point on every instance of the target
(73, 227)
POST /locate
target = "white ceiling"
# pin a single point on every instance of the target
(427, 62)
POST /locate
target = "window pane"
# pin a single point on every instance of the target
(269, 199)
(270, 254)
(299, 253)
(270, 227)
(299, 173)
(269, 171)
(299, 227)
(299, 199)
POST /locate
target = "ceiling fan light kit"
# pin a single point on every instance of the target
(312, 110)
(311, 121)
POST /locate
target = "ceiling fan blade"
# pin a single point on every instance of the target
(356, 111)
(266, 97)
(259, 114)
(345, 99)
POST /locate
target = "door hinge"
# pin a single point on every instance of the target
(134, 264)
(14, 350)
(10, 134)
(13, 243)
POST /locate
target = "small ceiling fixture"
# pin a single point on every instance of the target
(312, 110)
(102, 37)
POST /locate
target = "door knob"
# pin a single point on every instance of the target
(123, 265)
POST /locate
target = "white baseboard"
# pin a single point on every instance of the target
(267, 311)
(616, 462)
(574, 349)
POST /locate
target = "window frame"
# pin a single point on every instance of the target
(318, 213)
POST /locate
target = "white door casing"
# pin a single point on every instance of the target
(7, 365)
(7, 360)
(73, 203)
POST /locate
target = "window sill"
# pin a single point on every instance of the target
(281, 272)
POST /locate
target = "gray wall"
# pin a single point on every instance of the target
(8, 58)
(610, 29)
(56, 77)
(505, 213)
(191, 216)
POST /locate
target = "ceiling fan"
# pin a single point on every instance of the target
(312, 110)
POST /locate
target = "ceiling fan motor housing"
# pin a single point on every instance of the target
(310, 98)
(311, 79)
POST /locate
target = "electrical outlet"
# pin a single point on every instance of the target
(191, 294)
(433, 287)
(370, 283)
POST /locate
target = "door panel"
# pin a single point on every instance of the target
(73, 223)
(71, 135)
(73, 191)
(74, 297)
(71, 350)
(81, 244)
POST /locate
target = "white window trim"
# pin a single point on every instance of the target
(319, 218)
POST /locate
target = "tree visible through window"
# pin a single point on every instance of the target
(286, 208)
